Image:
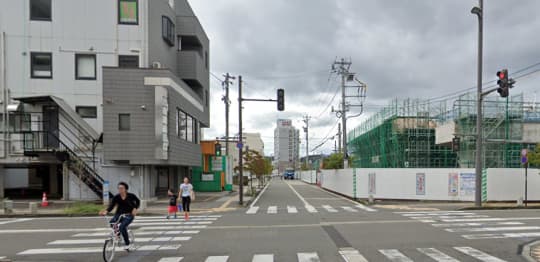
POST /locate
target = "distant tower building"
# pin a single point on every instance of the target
(286, 145)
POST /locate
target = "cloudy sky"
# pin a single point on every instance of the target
(413, 48)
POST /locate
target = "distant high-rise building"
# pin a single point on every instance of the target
(286, 145)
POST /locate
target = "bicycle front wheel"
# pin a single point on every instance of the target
(131, 240)
(108, 250)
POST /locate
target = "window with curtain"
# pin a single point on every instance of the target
(85, 67)
(189, 128)
(182, 125)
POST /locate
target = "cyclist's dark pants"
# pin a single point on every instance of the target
(186, 201)
(123, 226)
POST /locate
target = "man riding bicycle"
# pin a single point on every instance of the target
(126, 204)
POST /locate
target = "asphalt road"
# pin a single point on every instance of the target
(291, 221)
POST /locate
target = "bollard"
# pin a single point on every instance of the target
(8, 207)
(32, 208)
(520, 202)
(370, 199)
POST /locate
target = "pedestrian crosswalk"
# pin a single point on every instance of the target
(450, 254)
(477, 226)
(289, 209)
(151, 234)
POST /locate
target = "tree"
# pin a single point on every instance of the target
(334, 161)
(534, 156)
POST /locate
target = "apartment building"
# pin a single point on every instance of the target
(97, 92)
(286, 145)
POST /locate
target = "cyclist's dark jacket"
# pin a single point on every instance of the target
(125, 206)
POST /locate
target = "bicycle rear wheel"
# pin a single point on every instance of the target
(108, 250)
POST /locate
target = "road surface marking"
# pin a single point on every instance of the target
(298, 195)
(100, 240)
(503, 235)
(15, 221)
(329, 209)
(491, 229)
(429, 212)
(311, 209)
(490, 219)
(437, 255)
(263, 258)
(172, 223)
(48, 251)
(395, 255)
(350, 209)
(272, 210)
(292, 210)
(172, 227)
(351, 255)
(171, 259)
(308, 257)
(427, 220)
(179, 219)
(448, 217)
(252, 210)
(139, 233)
(368, 209)
(436, 214)
(217, 259)
(259, 196)
(478, 254)
(478, 224)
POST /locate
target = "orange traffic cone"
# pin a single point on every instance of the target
(44, 201)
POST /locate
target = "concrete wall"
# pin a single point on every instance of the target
(309, 176)
(429, 184)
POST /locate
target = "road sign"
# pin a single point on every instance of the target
(239, 145)
(524, 158)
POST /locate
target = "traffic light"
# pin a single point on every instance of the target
(503, 83)
(217, 149)
(280, 99)
(455, 144)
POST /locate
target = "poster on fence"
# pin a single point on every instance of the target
(466, 184)
(420, 183)
(453, 184)
(372, 184)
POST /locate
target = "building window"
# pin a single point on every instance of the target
(124, 122)
(195, 131)
(128, 61)
(86, 111)
(41, 65)
(171, 3)
(85, 67)
(182, 125)
(128, 12)
(40, 10)
(189, 128)
(167, 30)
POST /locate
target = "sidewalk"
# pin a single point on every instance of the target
(205, 202)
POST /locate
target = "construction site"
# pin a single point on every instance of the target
(415, 133)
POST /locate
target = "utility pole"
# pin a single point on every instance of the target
(479, 11)
(339, 138)
(306, 130)
(227, 105)
(240, 145)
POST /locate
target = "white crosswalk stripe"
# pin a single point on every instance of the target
(217, 259)
(171, 259)
(491, 229)
(263, 258)
(478, 224)
(329, 209)
(272, 210)
(252, 210)
(478, 254)
(311, 209)
(292, 210)
(350, 209)
(394, 255)
(308, 257)
(351, 255)
(503, 235)
(437, 255)
(369, 209)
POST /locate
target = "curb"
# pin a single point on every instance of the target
(526, 251)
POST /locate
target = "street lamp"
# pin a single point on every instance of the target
(478, 10)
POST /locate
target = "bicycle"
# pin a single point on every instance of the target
(115, 238)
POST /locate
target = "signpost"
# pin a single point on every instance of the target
(525, 162)
(105, 190)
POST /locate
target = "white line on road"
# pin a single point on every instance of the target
(429, 212)
(437, 214)
(478, 254)
(427, 220)
(329, 209)
(437, 255)
(263, 258)
(292, 210)
(491, 229)
(503, 235)
(350, 209)
(100, 240)
(351, 255)
(478, 224)
(363, 207)
(217, 259)
(311, 209)
(173, 227)
(252, 210)
(307, 205)
(15, 221)
(139, 233)
(490, 219)
(272, 210)
(395, 255)
(260, 194)
(164, 220)
(448, 217)
(171, 223)
(49, 251)
(171, 259)
(308, 257)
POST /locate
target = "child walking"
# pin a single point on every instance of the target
(173, 208)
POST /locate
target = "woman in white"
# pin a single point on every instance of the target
(186, 193)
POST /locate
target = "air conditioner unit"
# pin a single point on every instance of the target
(156, 65)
